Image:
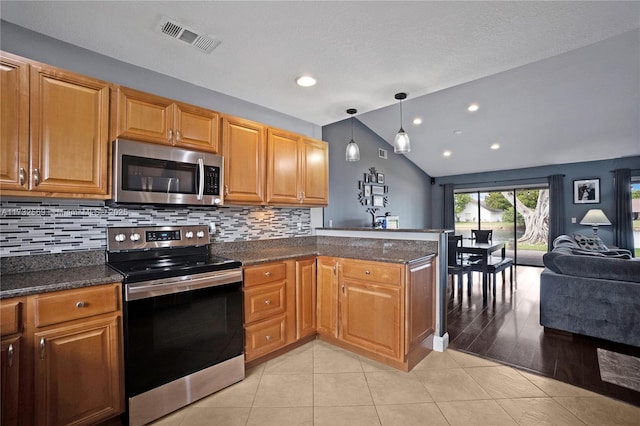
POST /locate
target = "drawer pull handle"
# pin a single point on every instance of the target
(42, 342)
(367, 272)
(170, 135)
(36, 177)
(268, 274)
(267, 338)
(10, 355)
(267, 302)
(21, 178)
(81, 305)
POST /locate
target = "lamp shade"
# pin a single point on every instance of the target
(595, 217)
(353, 151)
(401, 143)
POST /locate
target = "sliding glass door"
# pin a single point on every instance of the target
(519, 217)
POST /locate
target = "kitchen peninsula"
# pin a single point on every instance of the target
(375, 292)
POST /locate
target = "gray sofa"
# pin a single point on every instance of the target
(591, 292)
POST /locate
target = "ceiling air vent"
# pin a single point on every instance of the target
(174, 29)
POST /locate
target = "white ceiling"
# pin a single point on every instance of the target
(362, 53)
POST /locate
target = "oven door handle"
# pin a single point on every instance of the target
(161, 287)
(201, 180)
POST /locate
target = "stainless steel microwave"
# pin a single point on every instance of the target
(146, 173)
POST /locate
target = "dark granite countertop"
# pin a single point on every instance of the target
(249, 258)
(20, 277)
(28, 283)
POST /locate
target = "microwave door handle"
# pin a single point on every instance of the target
(201, 180)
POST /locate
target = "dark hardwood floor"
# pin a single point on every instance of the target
(507, 329)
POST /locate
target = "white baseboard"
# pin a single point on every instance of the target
(441, 343)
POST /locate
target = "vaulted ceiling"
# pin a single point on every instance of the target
(556, 82)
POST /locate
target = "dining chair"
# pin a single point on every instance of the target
(482, 235)
(495, 265)
(456, 265)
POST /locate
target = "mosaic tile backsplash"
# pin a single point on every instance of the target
(58, 226)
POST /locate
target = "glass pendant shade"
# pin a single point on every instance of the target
(353, 152)
(401, 143)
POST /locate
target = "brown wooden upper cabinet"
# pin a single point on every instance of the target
(297, 169)
(54, 131)
(244, 150)
(150, 118)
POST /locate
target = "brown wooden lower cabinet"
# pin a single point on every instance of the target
(62, 358)
(381, 310)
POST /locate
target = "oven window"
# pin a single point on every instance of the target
(152, 175)
(170, 336)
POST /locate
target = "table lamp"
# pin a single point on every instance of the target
(595, 218)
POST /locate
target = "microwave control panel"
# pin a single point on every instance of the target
(211, 180)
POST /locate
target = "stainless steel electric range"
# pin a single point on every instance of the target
(182, 317)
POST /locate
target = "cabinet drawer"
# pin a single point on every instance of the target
(10, 317)
(255, 275)
(263, 301)
(265, 336)
(373, 271)
(75, 304)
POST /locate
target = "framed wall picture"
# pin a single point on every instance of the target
(586, 191)
(367, 190)
(378, 201)
(377, 190)
(380, 178)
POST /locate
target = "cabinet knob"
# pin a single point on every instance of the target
(267, 274)
(267, 302)
(81, 304)
(267, 338)
(367, 272)
(21, 176)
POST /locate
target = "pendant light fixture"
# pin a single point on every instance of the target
(401, 143)
(353, 152)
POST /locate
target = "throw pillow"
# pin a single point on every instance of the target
(564, 241)
(590, 243)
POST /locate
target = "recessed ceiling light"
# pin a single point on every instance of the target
(446, 153)
(473, 107)
(457, 132)
(417, 121)
(495, 146)
(306, 81)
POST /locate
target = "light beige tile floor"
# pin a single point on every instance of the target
(320, 384)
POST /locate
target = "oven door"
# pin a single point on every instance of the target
(172, 335)
(154, 174)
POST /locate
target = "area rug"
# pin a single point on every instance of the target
(619, 369)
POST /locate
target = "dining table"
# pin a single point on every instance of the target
(485, 250)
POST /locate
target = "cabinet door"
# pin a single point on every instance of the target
(305, 298)
(370, 317)
(10, 379)
(14, 122)
(244, 150)
(283, 168)
(142, 116)
(314, 157)
(420, 309)
(69, 132)
(327, 296)
(196, 128)
(78, 372)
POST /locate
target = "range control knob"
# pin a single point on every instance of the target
(134, 237)
(120, 238)
(217, 201)
(189, 234)
(200, 234)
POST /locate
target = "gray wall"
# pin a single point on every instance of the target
(409, 187)
(536, 175)
(32, 45)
